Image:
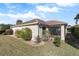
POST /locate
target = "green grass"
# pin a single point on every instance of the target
(10, 46)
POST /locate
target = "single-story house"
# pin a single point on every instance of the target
(37, 26)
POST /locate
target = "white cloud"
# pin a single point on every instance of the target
(25, 15)
(1, 14)
(9, 6)
(1, 22)
(47, 9)
(66, 4)
(30, 14)
(42, 14)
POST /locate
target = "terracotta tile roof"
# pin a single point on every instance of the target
(54, 22)
(45, 23)
(36, 20)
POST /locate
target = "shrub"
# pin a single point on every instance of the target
(46, 36)
(4, 27)
(75, 31)
(1, 32)
(57, 41)
(18, 33)
(9, 32)
(72, 30)
(26, 34)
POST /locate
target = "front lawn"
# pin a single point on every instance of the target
(12, 46)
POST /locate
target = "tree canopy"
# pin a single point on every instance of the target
(19, 22)
(4, 27)
(77, 18)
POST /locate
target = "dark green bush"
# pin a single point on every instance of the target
(9, 32)
(26, 34)
(75, 31)
(57, 41)
(72, 30)
(4, 27)
(1, 32)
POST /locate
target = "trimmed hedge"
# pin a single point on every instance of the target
(26, 34)
(75, 31)
(57, 41)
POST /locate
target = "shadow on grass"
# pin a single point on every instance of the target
(71, 40)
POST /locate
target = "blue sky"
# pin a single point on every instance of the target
(10, 12)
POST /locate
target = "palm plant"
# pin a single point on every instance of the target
(77, 18)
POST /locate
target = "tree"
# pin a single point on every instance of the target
(4, 27)
(77, 18)
(19, 22)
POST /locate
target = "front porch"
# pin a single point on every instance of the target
(53, 31)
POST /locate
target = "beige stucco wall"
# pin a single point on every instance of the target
(62, 32)
(40, 32)
(34, 29)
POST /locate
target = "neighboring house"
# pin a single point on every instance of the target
(38, 26)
